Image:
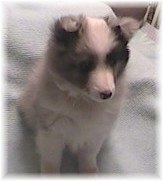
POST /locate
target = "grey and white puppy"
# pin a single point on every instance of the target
(74, 94)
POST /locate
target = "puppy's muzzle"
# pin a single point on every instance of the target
(101, 83)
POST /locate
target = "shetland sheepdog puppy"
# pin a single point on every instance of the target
(74, 94)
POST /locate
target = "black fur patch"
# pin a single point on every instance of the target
(75, 67)
(119, 34)
(63, 37)
(118, 58)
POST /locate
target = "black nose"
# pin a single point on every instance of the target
(105, 94)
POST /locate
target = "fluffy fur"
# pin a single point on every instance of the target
(74, 94)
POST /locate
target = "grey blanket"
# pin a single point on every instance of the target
(132, 145)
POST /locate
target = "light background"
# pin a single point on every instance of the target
(2, 104)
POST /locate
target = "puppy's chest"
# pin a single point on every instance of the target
(79, 124)
(77, 132)
(81, 114)
(86, 115)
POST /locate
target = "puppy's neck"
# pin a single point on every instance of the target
(64, 85)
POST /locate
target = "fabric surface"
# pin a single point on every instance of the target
(132, 147)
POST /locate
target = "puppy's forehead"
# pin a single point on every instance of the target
(98, 36)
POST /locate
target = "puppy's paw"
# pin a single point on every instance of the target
(88, 170)
(49, 168)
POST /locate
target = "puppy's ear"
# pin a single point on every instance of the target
(125, 25)
(70, 23)
(66, 29)
(129, 26)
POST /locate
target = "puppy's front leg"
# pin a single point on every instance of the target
(50, 148)
(87, 158)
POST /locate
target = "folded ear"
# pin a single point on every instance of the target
(129, 26)
(70, 23)
(66, 29)
(126, 25)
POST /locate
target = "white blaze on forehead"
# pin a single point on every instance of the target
(99, 36)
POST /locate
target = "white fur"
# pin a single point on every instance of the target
(101, 80)
(97, 33)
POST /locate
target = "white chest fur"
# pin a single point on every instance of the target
(78, 124)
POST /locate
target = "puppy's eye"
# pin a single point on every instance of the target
(112, 58)
(86, 65)
(119, 54)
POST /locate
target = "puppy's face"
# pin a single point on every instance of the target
(92, 53)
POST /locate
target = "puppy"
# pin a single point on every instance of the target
(74, 94)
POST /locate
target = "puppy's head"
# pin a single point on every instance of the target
(92, 53)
